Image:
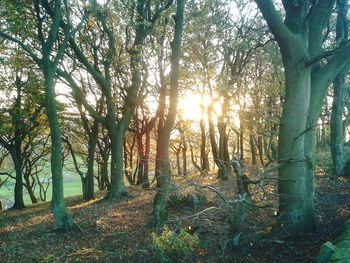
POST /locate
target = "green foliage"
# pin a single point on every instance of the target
(172, 247)
(18, 17)
(324, 160)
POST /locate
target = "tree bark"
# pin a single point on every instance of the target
(184, 158)
(117, 185)
(90, 191)
(252, 149)
(337, 130)
(241, 137)
(49, 68)
(204, 155)
(337, 135)
(17, 161)
(296, 189)
(104, 174)
(145, 177)
(300, 38)
(222, 171)
(178, 164)
(16, 149)
(63, 220)
(194, 159)
(260, 150)
(163, 180)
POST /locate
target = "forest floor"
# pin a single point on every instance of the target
(110, 231)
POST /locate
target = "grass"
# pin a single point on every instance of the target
(71, 188)
(72, 184)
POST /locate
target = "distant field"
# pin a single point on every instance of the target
(72, 187)
(72, 184)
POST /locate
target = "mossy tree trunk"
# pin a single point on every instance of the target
(300, 38)
(62, 218)
(92, 142)
(164, 177)
(337, 130)
(338, 251)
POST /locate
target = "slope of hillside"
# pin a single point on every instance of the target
(109, 231)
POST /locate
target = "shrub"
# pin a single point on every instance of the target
(192, 199)
(172, 247)
(324, 161)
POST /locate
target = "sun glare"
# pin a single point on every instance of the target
(190, 107)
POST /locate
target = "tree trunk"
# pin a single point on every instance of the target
(241, 135)
(178, 164)
(163, 180)
(252, 149)
(337, 135)
(222, 171)
(261, 151)
(184, 158)
(194, 162)
(62, 218)
(300, 38)
(90, 192)
(204, 156)
(104, 174)
(296, 193)
(145, 178)
(118, 131)
(337, 130)
(17, 162)
(143, 164)
(141, 157)
(16, 150)
(29, 188)
(117, 186)
(224, 156)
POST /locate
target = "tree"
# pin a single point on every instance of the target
(102, 70)
(218, 151)
(164, 177)
(51, 52)
(144, 123)
(339, 88)
(20, 118)
(300, 39)
(203, 58)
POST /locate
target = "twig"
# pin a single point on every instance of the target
(79, 228)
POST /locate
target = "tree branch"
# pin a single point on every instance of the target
(26, 48)
(274, 21)
(323, 55)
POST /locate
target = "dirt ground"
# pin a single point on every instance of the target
(110, 231)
